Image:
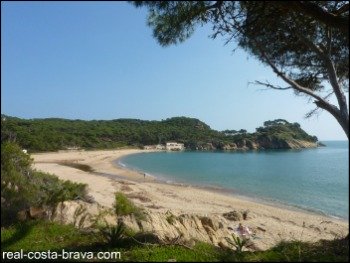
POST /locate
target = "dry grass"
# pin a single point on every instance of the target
(139, 196)
(126, 188)
(153, 206)
(80, 166)
(125, 183)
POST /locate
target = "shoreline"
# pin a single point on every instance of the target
(228, 191)
(160, 197)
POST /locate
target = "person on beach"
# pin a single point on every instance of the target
(243, 230)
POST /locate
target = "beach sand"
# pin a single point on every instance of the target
(274, 223)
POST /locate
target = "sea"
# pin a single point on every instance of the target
(316, 180)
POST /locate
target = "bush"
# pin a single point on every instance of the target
(16, 190)
(123, 206)
(21, 187)
(113, 234)
(53, 190)
(239, 243)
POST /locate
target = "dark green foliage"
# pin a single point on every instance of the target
(43, 134)
(16, 191)
(283, 130)
(113, 234)
(51, 190)
(55, 134)
(22, 187)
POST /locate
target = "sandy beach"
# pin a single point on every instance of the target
(272, 223)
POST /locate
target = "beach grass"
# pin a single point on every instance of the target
(43, 236)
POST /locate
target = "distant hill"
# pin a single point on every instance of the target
(56, 134)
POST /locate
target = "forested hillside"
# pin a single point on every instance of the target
(57, 134)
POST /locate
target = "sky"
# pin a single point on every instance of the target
(99, 60)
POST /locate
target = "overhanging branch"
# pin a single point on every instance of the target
(269, 85)
(291, 82)
(333, 79)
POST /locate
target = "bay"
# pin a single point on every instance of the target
(313, 179)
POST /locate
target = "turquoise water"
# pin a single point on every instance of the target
(312, 179)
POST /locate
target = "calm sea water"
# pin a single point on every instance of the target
(312, 179)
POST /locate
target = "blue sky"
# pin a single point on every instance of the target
(98, 60)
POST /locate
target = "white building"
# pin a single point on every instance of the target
(174, 146)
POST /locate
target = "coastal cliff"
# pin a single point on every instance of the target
(269, 144)
(277, 134)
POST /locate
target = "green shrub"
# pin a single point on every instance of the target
(52, 190)
(17, 192)
(21, 187)
(123, 206)
(239, 243)
(113, 234)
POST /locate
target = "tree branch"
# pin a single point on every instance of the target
(217, 4)
(320, 102)
(343, 9)
(333, 79)
(312, 112)
(329, 41)
(315, 11)
(267, 84)
(336, 114)
(291, 82)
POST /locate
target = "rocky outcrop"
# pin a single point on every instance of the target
(229, 147)
(252, 145)
(275, 143)
(242, 145)
(265, 143)
(79, 213)
(206, 147)
(297, 144)
(186, 228)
